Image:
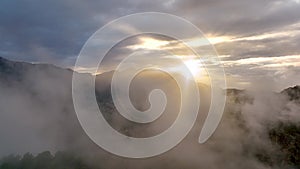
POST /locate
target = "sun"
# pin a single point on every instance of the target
(194, 67)
(197, 70)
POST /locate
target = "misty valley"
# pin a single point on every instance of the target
(39, 128)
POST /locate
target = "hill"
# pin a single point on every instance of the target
(37, 114)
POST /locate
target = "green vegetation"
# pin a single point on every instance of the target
(287, 137)
(44, 160)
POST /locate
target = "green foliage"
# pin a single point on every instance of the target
(287, 137)
(44, 160)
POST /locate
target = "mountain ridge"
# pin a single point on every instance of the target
(41, 95)
(7, 66)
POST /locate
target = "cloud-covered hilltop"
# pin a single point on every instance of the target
(258, 129)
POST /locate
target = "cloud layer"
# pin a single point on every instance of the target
(54, 31)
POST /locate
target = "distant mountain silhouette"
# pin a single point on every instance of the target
(293, 93)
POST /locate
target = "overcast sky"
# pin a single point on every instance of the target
(258, 40)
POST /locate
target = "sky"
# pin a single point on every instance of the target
(258, 41)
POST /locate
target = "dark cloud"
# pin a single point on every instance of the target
(268, 47)
(51, 31)
(54, 31)
(239, 17)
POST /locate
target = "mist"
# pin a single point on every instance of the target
(37, 114)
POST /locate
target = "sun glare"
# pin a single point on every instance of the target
(194, 67)
(149, 43)
(190, 61)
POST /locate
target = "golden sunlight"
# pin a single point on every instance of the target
(193, 66)
(198, 71)
(149, 43)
